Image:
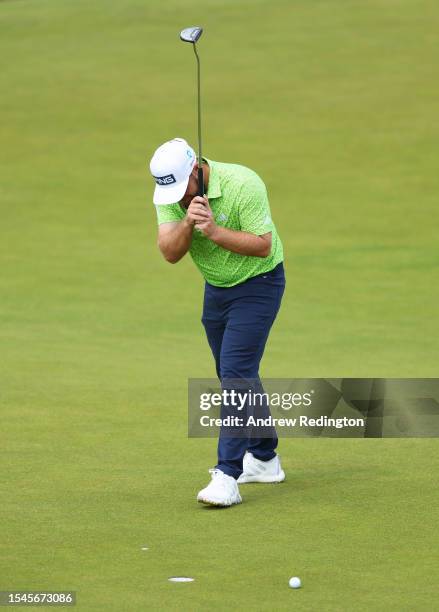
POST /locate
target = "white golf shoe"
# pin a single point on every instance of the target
(255, 470)
(221, 491)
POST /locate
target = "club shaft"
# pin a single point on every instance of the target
(200, 156)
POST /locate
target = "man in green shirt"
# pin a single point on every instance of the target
(233, 241)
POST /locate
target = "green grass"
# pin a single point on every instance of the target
(334, 104)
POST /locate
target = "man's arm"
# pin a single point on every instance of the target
(243, 243)
(175, 239)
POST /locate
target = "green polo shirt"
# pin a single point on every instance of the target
(238, 199)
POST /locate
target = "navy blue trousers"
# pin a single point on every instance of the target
(238, 320)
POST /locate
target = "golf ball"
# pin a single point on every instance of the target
(295, 582)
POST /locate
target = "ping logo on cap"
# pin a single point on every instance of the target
(165, 180)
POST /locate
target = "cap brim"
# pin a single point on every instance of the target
(170, 195)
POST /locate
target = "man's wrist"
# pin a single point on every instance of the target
(187, 222)
(216, 234)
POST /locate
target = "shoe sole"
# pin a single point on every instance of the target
(208, 502)
(264, 479)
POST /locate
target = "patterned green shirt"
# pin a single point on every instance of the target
(238, 199)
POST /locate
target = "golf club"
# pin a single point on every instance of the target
(192, 35)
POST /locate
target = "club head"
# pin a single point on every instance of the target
(191, 35)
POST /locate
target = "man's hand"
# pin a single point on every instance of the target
(200, 214)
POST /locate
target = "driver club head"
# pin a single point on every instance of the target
(191, 35)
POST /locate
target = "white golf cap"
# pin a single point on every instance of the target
(171, 166)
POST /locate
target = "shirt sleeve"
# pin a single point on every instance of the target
(166, 213)
(254, 208)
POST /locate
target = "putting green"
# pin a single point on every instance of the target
(334, 104)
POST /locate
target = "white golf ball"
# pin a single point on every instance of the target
(295, 582)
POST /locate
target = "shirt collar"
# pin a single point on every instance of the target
(214, 188)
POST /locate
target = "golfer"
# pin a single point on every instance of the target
(232, 240)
